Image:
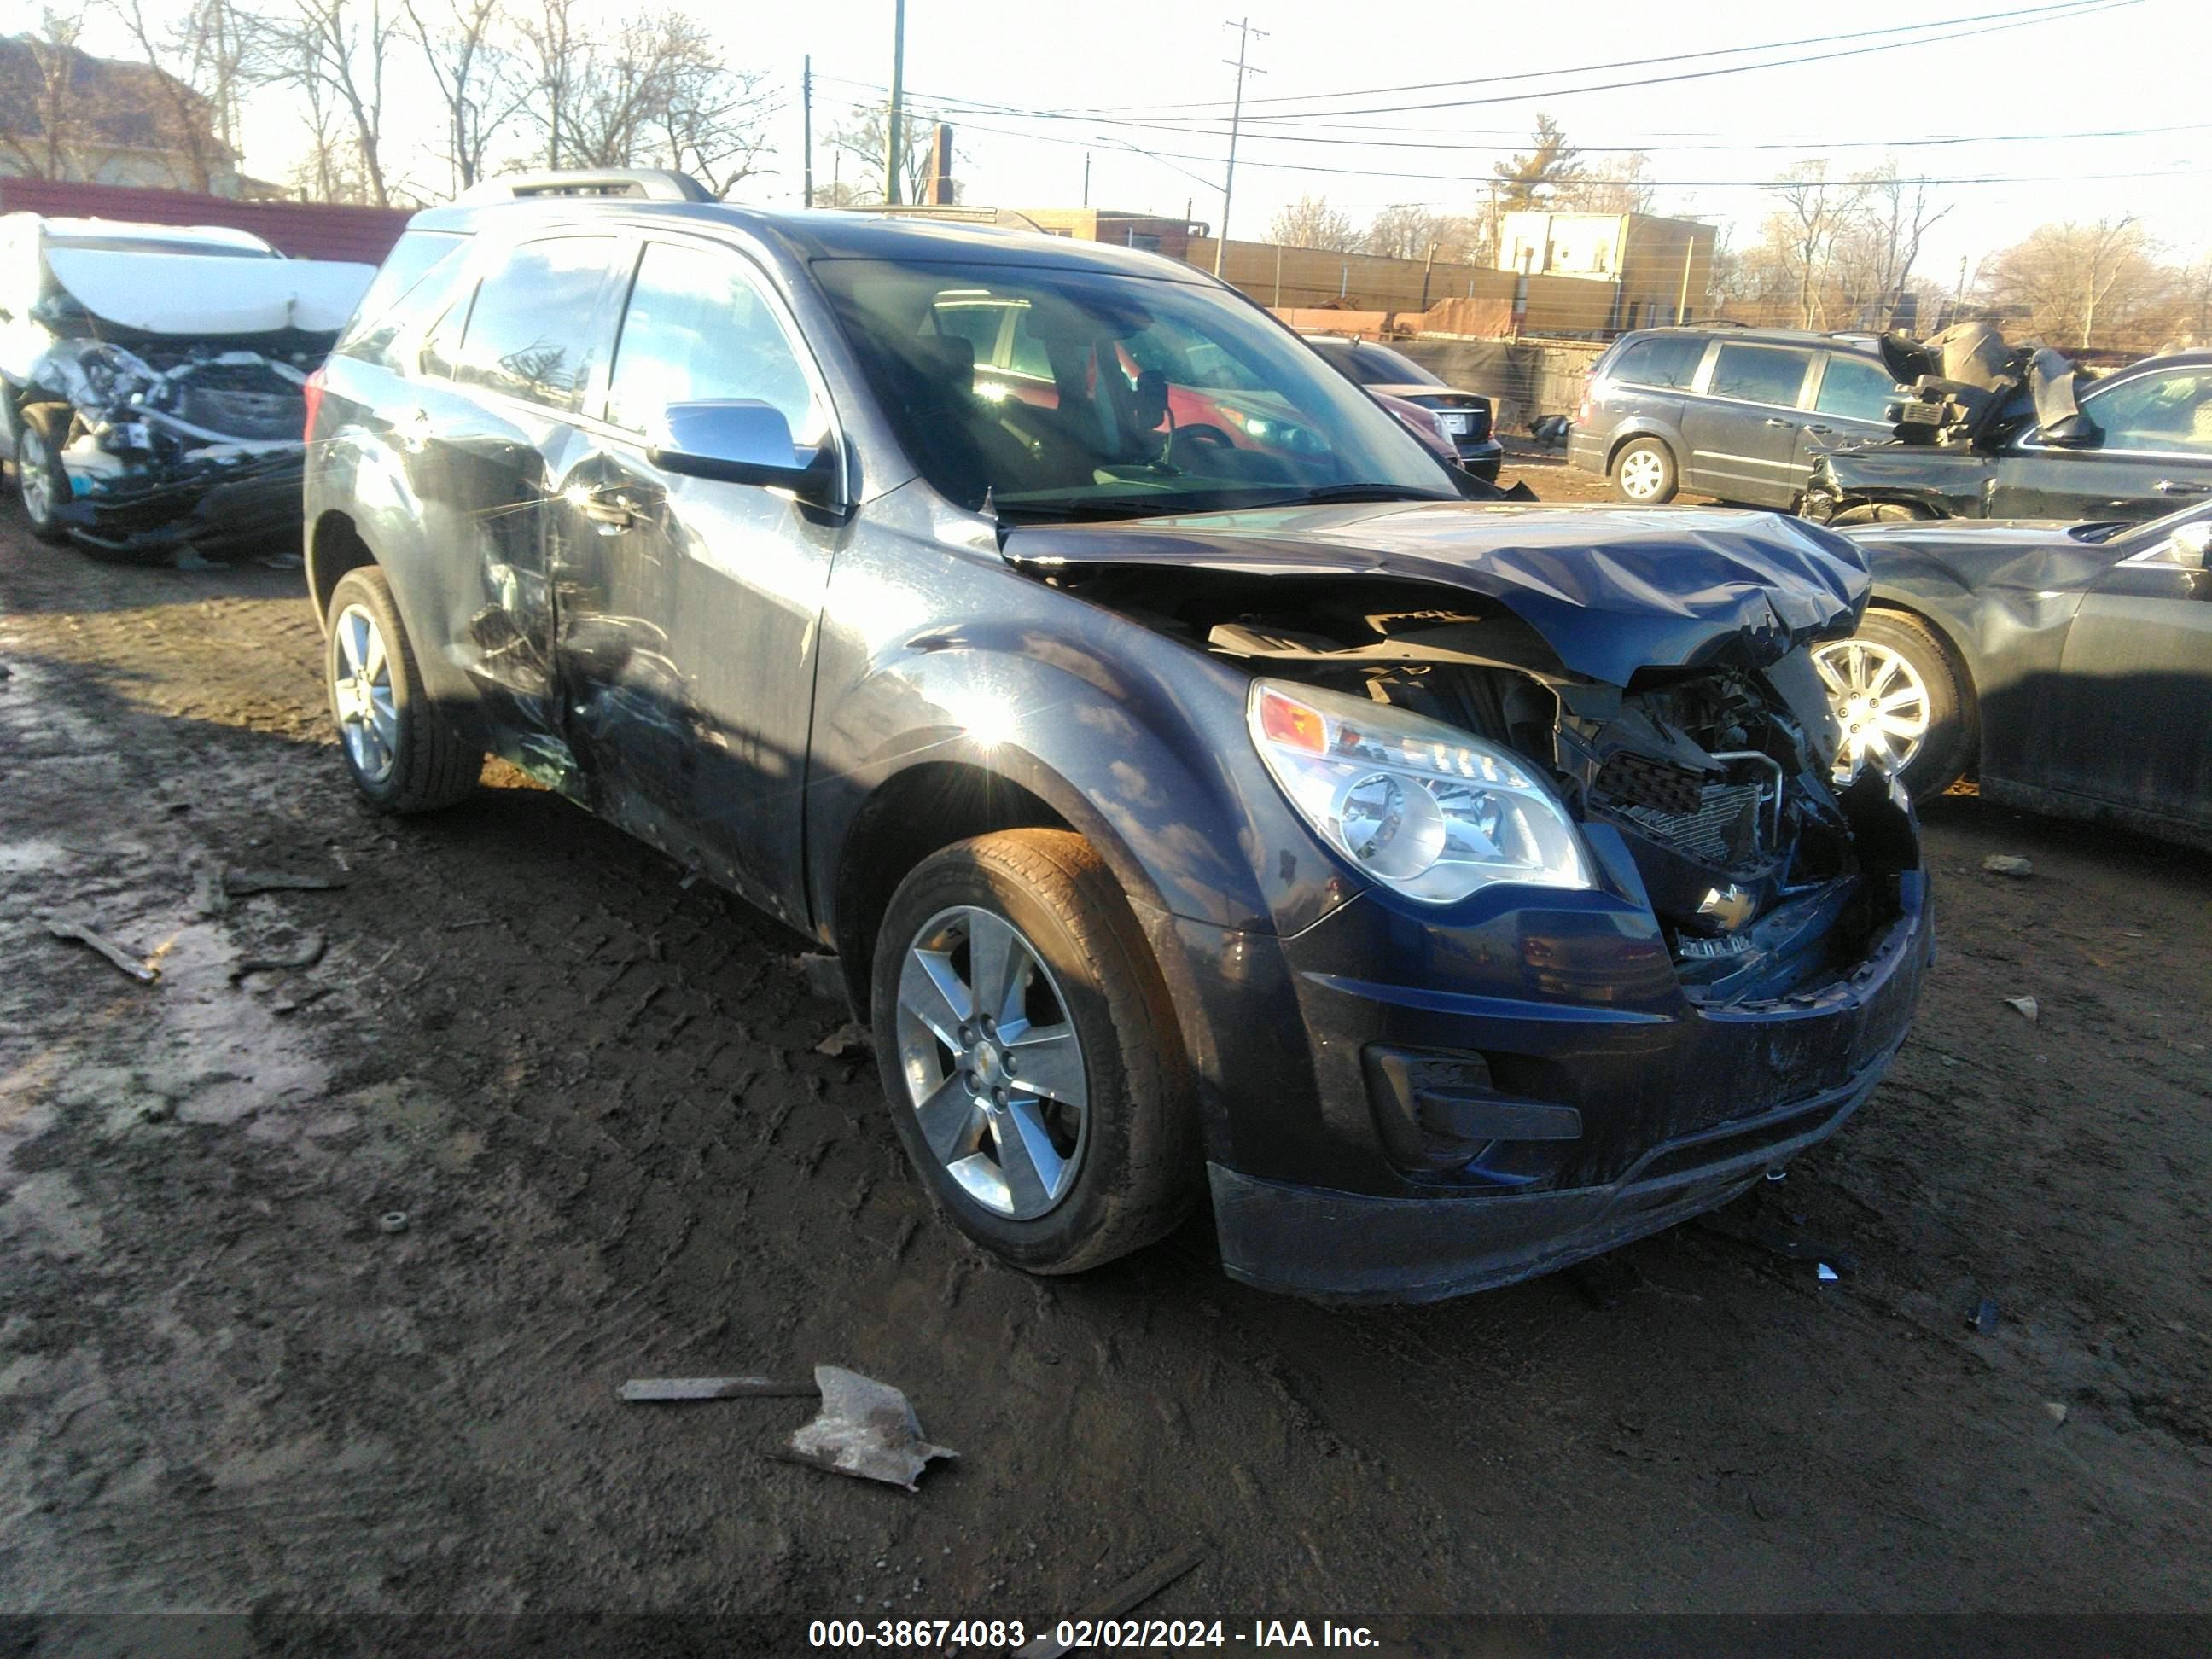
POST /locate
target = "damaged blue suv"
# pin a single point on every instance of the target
(1451, 888)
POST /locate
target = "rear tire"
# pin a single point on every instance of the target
(1643, 472)
(401, 753)
(1895, 669)
(41, 485)
(1086, 1147)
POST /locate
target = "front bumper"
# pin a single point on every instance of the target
(1682, 1105)
(254, 504)
(1483, 459)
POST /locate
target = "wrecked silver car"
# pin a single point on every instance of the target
(152, 380)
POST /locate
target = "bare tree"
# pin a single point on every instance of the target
(1813, 209)
(865, 136)
(1530, 180)
(1310, 221)
(2066, 282)
(466, 46)
(201, 56)
(1621, 186)
(335, 53)
(1877, 241)
(59, 102)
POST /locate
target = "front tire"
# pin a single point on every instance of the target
(1028, 1050)
(402, 754)
(1643, 472)
(1900, 701)
(41, 485)
(1875, 512)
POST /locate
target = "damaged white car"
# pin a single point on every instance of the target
(152, 380)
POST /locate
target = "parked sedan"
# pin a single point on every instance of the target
(2141, 447)
(2069, 664)
(1467, 416)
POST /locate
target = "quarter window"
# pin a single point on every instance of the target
(1855, 388)
(696, 328)
(1668, 361)
(529, 333)
(2156, 411)
(1760, 375)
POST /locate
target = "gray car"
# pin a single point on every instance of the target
(1739, 414)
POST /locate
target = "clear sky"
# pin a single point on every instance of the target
(2135, 65)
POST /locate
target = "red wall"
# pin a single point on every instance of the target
(303, 230)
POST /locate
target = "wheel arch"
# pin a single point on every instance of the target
(335, 545)
(1625, 436)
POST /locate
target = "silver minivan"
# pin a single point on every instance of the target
(1736, 413)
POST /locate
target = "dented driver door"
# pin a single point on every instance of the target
(687, 609)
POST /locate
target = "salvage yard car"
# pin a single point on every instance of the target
(152, 377)
(1454, 889)
(1464, 416)
(2069, 665)
(2137, 445)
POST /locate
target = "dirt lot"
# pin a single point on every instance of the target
(598, 1097)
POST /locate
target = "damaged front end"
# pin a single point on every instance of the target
(167, 443)
(1698, 943)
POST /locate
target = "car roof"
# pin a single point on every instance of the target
(1802, 337)
(822, 234)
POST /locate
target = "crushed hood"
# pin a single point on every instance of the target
(1611, 589)
(209, 296)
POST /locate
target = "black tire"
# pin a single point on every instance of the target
(1138, 1163)
(431, 764)
(41, 430)
(1636, 460)
(1953, 742)
(1875, 513)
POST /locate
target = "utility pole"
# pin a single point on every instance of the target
(894, 150)
(1244, 34)
(1086, 177)
(1959, 300)
(806, 123)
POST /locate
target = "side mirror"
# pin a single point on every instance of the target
(2191, 543)
(2074, 432)
(741, 441)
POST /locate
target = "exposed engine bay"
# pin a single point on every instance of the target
(164, 411)
(1768, 875)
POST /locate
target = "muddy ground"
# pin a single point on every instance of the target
(600, 1100)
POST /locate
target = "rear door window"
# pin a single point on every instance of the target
(1760, 375)
(1668, 361)
(697, 329)
(531, 333)
(2165, 414)
(1856, 388)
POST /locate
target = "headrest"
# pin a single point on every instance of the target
(950, 360)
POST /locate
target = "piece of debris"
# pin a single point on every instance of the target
(208, 899)
(2025, 1007)
(157, 1110)
(847, 1037)
(1123, 1598)
(1827, 1275)
(2002, 864)
(237, 883)
(83, 932)
(1984, 1317)
(309, 953)
(2057, 1408)
(866, 1429)
(715, 1388)
(392, 1221)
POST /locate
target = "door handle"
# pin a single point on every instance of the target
(1775, 420)
(2183, 487)
(609, 509)
(1822, 430)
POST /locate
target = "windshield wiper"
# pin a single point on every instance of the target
(1322, 495)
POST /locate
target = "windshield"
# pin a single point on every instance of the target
(1375, 365)
(1064, 393)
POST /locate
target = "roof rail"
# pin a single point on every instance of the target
(649, 184)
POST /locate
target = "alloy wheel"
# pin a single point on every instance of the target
(993, 1065)
(34, 476)
(360, 693)
(1642, 475)
(1880, 700)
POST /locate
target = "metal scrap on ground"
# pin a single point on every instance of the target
(1121, 1599)
(83, 932)
(237, 883)
(309, 953)
(866, 1429)
(2025, 1007)
(715, 1388)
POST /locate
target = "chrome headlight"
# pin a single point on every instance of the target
(1424, 808)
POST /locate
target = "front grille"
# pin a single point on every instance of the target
(1723, 830)
(1635, 780)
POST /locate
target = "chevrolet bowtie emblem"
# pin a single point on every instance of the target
(1729, 906)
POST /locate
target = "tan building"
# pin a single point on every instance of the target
(68, 116)
(1657, 268)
